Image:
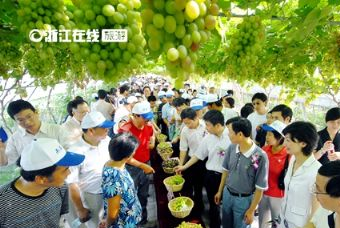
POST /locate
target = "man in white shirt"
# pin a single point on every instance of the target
(258, 117)
(85, 179)
(191, 136)
(102, 106)
(27, 117)
(212, 147)
(78, 109)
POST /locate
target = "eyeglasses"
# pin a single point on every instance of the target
(314, 190)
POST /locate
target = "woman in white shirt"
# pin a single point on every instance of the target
(299, 202)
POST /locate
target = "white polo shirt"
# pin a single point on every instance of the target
(72, 130)
(191, 138)
(213, 148)
(88, 175)
(21, 138)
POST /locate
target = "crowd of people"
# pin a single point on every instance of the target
(94, 169)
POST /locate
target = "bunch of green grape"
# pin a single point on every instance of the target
(179, 204)
(44, 15)
(177, 28)
(10, 55)
(40, 63)
(246, 45)
(109, 60)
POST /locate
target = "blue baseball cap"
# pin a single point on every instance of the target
(143, 109)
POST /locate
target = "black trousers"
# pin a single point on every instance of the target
(194, 180)
(211, 183)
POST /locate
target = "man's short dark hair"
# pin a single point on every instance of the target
(217, 103)
(233, 119)
(152, 98)
(124, 88)
(188, 113)
(102, 94)
(214, 117)
(31, 175)
(332, 170)
(246, 110)
(230, 101)
(74, 105)
(285, 111)
(333, 114)
(122, 145)
(261, 96)
(17, 106)
(240, 124)
(301, 131)
(178, 102)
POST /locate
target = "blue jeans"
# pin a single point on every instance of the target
(233, 210)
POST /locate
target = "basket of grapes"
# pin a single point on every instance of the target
(169, 165)
(180, 207)
(164, 150)
(174, 183)
(189, 225)
(161, 138)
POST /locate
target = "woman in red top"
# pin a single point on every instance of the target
(269, 207)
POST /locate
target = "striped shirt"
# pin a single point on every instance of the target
(21, 211)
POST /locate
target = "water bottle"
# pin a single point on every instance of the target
(331, 150)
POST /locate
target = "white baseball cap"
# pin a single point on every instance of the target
(211, 98)
(46, 152)
(132, 99)
(161, 94)
(277, 125)
(169, 93)
(95, 119)
(196, 104)
(138, 94)
(143, 108)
